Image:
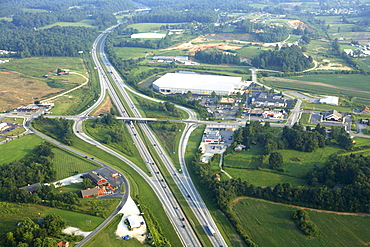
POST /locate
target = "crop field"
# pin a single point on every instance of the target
(329, 88)
(109, 238)
(18, 148)
(83, 23)
(133, 52)
(325, 107)
(67, 164)
(270, 224)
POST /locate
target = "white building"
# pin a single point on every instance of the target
(212, 136)
(3, 126)
(172, 83)
(330, 100)
(148, 35)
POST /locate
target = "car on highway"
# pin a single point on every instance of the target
(183, 226)
(183, 219)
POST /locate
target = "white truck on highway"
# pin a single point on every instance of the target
(210, 230)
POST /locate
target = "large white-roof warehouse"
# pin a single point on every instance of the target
(197, 84)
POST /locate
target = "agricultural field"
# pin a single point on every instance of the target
(18, 148)
(67, 164)
(270, 224)
(327, 87)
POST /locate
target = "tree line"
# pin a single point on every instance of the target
(213, 56)
(286, 59)
(31, 234)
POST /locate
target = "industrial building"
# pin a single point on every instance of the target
(182, 83)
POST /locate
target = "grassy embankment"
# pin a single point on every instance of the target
(270, 224)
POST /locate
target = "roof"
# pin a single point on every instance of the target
(198, 81)
(89, 192)
(334, 113)
(330, 100)
(62, 243)
(96, 178)
(31, 188)
(134, 221)
(178, 58)
(148, 35)
(226, 100)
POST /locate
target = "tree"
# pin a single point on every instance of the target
(276, 160)
(53, 224)
(213, 94)
(87, 183)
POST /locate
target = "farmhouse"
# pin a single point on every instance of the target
(31, 188)
(173, 83)
(332, 115)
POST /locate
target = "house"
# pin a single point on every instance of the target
(31, 188)
(97, 178)
(3, 126)
(332, 115)
(239, 148)
(62, 244)
(90, 192)
(365, 110)
(218, 177)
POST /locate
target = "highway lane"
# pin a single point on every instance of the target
(165, 195)
(188, 189)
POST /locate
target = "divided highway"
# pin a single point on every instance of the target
(183, 181)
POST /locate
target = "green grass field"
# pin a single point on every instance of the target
(17, 120)
(270, 224)
(170, 138)
(15, 132)
(18, 148)
(76, 219)
(133, 52)
(39, 66)
(109, 238)
(146, 27)
(251, 51)
(305, 117)
(67, 164)
(83, 23)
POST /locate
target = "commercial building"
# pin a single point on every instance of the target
(212, 136)
(148, 36)
(182, 83)
(97, 178)
(330, 100)
(332, 115)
